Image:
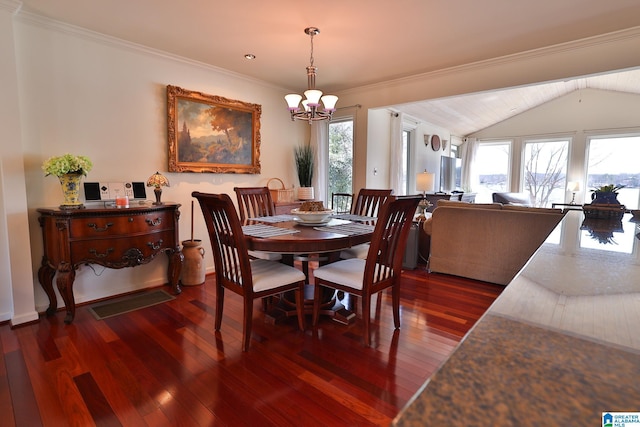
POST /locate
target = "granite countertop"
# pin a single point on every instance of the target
(558, 347)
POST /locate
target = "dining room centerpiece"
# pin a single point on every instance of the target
(69, 169)
(304, 157)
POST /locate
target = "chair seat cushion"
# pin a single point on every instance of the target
(271, 256)
(358, 251)
(270, 274)
(348, 272)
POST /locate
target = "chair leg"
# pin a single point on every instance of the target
(300, 305)
(395, 302)
(316, 304)
(366, 318)
(246, 326)
(219, 306)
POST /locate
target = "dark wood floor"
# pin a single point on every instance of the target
(166, 366)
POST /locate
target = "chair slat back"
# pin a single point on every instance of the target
(384, 260)
(254, 202)
(369, 201)
(341, 202)
(230, 254)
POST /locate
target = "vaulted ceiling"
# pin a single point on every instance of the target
(361, 41)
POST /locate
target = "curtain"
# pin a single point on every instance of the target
(469, 176)
(395, 155)
(320, 144)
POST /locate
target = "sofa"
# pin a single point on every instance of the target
(487, 242)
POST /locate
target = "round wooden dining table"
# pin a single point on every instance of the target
(308, 243)
(306, 239)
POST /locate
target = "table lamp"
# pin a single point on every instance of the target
(157, 181)
(425, 182)
(573, 186)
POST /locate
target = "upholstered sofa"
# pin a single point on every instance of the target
(488, 242)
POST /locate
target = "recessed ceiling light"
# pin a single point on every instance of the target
(249, 56)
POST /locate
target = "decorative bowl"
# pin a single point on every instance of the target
(315, 217)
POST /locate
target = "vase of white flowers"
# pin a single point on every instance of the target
(69, 169)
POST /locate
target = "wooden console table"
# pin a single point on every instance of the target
(111, 237)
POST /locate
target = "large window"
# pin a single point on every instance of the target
(545, 170)
(492, 165)
(341, 156)
(615, 161)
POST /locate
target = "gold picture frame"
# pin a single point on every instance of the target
(213, 134)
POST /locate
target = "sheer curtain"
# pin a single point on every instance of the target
(395, 155)
(320, 144)
(469, 176)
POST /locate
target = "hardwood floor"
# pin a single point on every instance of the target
(166, 366)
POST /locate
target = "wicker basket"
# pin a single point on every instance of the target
(282, 194)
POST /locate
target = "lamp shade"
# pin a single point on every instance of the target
(425, 181)
(573, 186)
(157, 180)
(293, 100)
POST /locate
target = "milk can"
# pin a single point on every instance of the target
(193, 268)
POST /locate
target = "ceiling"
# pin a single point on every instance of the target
(361, 41)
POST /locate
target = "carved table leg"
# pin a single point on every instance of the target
(66, 276)
(45, 276)
(176, 259)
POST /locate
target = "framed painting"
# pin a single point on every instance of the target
(213, 134)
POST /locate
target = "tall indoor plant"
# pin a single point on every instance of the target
(69, 169)
(304, 157)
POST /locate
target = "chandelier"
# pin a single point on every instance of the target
(311, 105)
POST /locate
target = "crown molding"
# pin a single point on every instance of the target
(12, 6)
(516, 58)
(93, 36)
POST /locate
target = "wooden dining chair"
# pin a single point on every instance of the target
(249, 278)
(341, 202)
(382, 267)
(367, 203)
(255, 202)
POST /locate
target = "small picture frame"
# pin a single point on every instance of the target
(213, 134)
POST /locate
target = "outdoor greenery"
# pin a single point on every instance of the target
(341, 157)
(67, 163)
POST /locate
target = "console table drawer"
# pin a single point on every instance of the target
(119, 225)
(118, 253)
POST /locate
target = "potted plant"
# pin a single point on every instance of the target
(304, 158)
(69, 169)
(606, 195)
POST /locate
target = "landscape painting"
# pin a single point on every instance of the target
(210, 133)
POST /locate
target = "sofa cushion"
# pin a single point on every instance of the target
(459, 204)
(522, 199)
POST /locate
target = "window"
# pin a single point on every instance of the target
(545, 171)
(340, 156)
(615, 161)
(492, 165)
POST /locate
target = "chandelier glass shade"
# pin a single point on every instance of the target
(315, 106)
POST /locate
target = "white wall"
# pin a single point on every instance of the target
(84, 93)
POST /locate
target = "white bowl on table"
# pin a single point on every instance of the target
(312, 217)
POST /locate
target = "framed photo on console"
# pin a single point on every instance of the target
(210, 133)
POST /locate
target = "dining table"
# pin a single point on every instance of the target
(303, 242)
